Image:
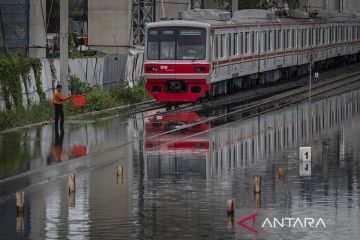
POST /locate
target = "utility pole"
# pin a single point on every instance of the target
(310, 57)
(64, 45)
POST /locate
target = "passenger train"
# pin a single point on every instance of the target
(208, 53)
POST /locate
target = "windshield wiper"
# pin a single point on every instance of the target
(197, 55)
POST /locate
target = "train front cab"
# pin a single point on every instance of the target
(177, 66)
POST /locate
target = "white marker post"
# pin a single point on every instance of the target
(305, 168)
(305, 154)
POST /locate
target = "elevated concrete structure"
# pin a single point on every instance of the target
(109, 24)
(37, 29)
(170, 9)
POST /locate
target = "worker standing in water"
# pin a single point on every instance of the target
(58, 100)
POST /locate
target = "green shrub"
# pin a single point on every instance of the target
(77, 87)
(21, 116)
(124, 94)
(98, 100)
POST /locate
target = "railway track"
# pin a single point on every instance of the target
(269, 104)
(246, 102)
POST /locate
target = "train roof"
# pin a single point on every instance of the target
(219, 18)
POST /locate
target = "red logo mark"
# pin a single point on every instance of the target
(242, 221)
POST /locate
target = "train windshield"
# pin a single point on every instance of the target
(176, 43)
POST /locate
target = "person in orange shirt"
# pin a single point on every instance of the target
(58, 100)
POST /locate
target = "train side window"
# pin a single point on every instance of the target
(241, 43)
(229, 45)
(304, 37)
(252, 41)
(246, 42)
(346, 35)
(336, 34)
(289, 38)
(266, 39)
(293, 38)
(279, 39)
(222, 45)
(342, 34)
(274, 37)
(314, 37)
(216, 46)
(353, 33)
(235, 44)
(262, 41)
(271, 42)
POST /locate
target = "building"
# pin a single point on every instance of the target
(23, 27)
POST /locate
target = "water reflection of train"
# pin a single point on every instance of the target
(171, 148)
(238, 144)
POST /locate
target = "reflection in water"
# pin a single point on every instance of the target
(182, 152)
(176, 185)
(34, 148)
(58, 146)
(257, 146)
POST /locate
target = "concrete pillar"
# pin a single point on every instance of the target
(64, 45)
(37, 29)
(235, 5)
(333, 5)
(110, 25)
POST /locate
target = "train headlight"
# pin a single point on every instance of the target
(199, 69)
(151, 69)
(156, 89)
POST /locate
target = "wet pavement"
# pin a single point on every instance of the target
(176, 185)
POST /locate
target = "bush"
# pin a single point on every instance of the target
(23, 116)
(99, 100)
(124, 94)
(77, 87)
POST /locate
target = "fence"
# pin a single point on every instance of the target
(98, 72)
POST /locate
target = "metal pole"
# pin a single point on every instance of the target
(309, 114)
(64, 46)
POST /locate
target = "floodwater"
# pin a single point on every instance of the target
(175, 186)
